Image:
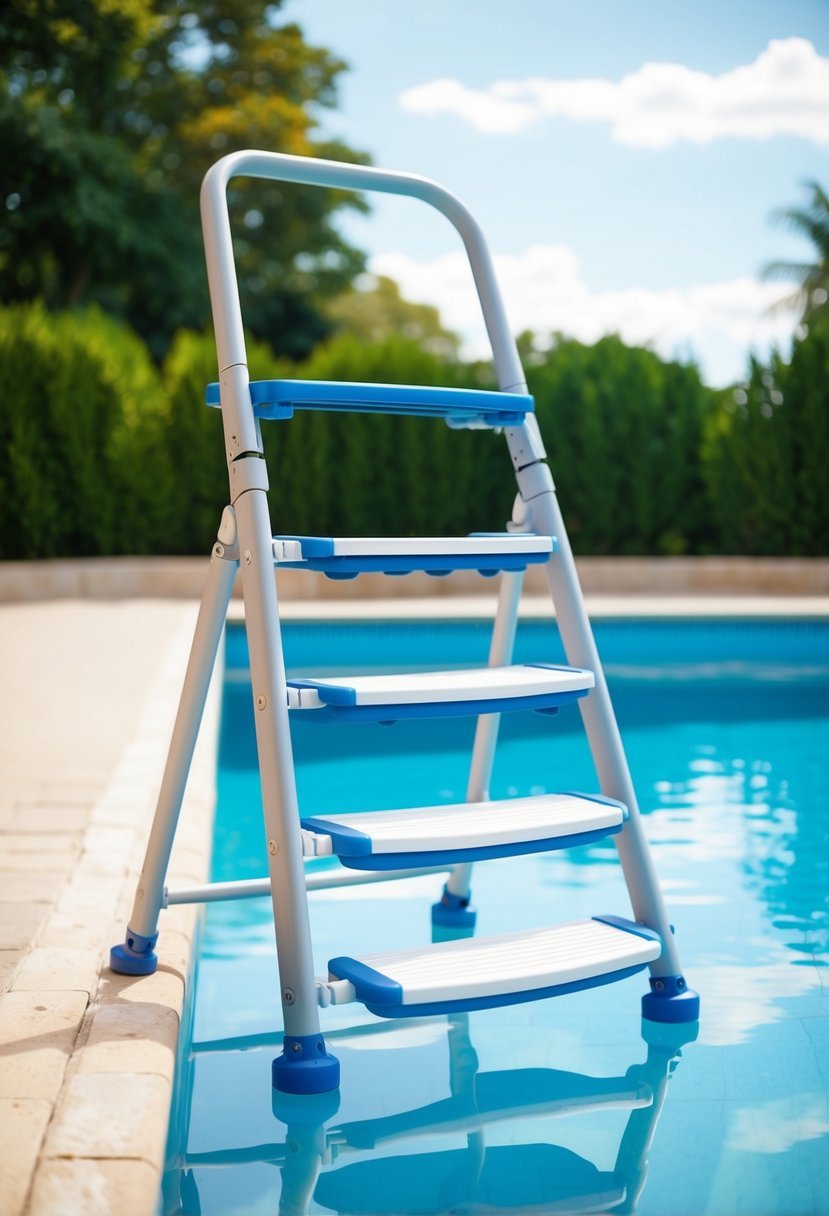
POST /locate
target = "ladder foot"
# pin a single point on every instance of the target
(305, 1066)
(670, 1000)
(135, 956)
(453, 911)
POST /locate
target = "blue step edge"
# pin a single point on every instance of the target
(386, 714)
(389, 1010)
(353, 848)
(382, 996)
(278, 399)
(318, 555)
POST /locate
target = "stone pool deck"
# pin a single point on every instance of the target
(86, 1058)
(90, 688)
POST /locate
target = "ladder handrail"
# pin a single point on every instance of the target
(302, 170)
(279, 166)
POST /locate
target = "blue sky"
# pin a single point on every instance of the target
(616, 195)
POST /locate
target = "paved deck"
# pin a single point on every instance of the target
(89, 691)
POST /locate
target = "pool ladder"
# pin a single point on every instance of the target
(463, 973)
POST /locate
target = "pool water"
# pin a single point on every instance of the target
(560, 1105)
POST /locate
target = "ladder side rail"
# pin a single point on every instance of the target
(137, 954)
(276, 768)
(603, 734)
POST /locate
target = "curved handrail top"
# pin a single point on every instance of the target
(308, 171)
(302, 170)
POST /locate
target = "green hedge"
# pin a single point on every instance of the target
(765, 456)
(107, 454)
(623, 429)
(82, 413)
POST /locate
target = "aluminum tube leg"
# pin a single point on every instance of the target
(454, 909)
(670, 998)
(304, 1066)
(136, 955)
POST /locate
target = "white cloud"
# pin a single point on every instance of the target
(544, 292)
(785, 91)
(777, 1124)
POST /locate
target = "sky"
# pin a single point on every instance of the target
(623, 159)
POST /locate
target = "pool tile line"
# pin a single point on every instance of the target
(88, 1058)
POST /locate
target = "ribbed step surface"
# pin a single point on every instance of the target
(503, 970)
(432, 835)
(424, 694)
(346, 557)
(460, 407)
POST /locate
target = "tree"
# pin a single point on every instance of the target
(375, 311)
(110, 113)
(811, 221)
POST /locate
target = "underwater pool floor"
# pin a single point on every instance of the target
(561, 1105)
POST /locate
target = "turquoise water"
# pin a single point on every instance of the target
(548, 1106)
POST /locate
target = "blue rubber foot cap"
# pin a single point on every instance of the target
(305, 1066)
(670, 1000)
(135, 956)
(454, 911)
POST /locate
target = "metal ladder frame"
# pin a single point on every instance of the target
(245, 539)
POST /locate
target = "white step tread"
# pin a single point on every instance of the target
(479, 689)
(497, 828)
(486, 544)
(497, 970)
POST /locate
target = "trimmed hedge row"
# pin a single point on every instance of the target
(107, 454)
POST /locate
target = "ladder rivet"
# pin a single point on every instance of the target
(261, 701)
(273, 847)
(219, 550)
(289, 996)
(296, 1048)
(659, 986)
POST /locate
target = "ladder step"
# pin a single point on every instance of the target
(429, 694)
(460, 407)
(467, 831)
(478, 973)
(346, 557)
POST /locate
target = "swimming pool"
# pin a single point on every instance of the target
(548, 1106)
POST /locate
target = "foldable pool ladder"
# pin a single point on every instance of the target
(456, 975)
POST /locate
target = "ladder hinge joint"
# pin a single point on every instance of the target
(247, 472)
(535, 480)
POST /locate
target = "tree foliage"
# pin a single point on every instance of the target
(811, 298)
(765, 455)
(620, 425)
(374, 310)
(110, 113)
(105, 453)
